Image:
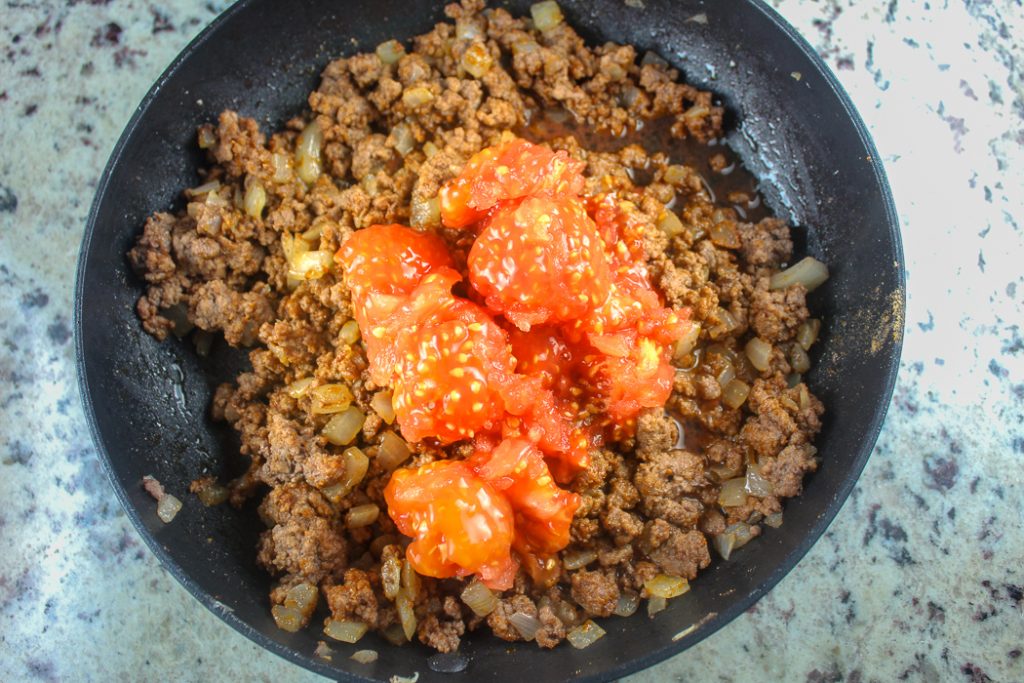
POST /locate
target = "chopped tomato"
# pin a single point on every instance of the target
(390, 259)
(543, 512)
(451, 362)
(460, 524)
(382, 265)
(540, 261)
(621, 226)
(514, 169)
(556, 418)
(571, 341)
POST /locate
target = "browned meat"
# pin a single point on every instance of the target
(678, 553)
(596, 592)
(650, 497)
(353, 599)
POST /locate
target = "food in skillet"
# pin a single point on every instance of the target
(508, 370)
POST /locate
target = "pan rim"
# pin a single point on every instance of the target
(712, 625)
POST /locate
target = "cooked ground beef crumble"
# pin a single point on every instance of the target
(395, 127)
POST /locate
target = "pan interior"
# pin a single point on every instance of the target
(147, 401)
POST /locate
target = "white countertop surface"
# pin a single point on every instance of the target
(921, 576)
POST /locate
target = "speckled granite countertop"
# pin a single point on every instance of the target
(921, 577)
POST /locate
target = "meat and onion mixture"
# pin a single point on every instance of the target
(513, 367)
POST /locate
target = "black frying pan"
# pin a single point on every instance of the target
(147, 402)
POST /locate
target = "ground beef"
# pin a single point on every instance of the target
(239, 315)
(354, 598)
(596, 592)
(442, 629)
(676, 552)
(649, 498)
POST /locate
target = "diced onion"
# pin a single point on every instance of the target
(323, 651)
(391, 577)
(417, 96)
(546, 15)
(309, 169)
(406, 615)
(313, 234)
(382, 405)
(345, 630)
(756, 484)
(565, 612)
(330, 398)
(362, 515)
(211, 493)
(726, 323)
(584, 635)
(307, 152)
(525, 624)
(205, 188)
(759, 353)
(735, 393)
(310, 141)
(809, 272)
(479, 598)
(724, 544)
(255, 198)
(627, 605)
(167, 508)
(743, 533)
(393, 451)
(665, 586)
(805, 397)
(424, 212)
(356, 464)
(287, 618)
(675, 174)
(466, 29)
(477, 60)
(349, 332)
(669, 223)
(390, 51)
(798, 359)
(726, 375)
(724, 235)
(299, 387)
(365, 656)
(656, 604)
(303, 597)
(808, 332)
(734, 537)
(774, 520)
(430, 149)
(687, 343)
(402, 138)
(733, 492)
(282, 167)
(292, 246)
(311, 265)
(206, 137)
(579, 558)
(343, 428)
(410, 580)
